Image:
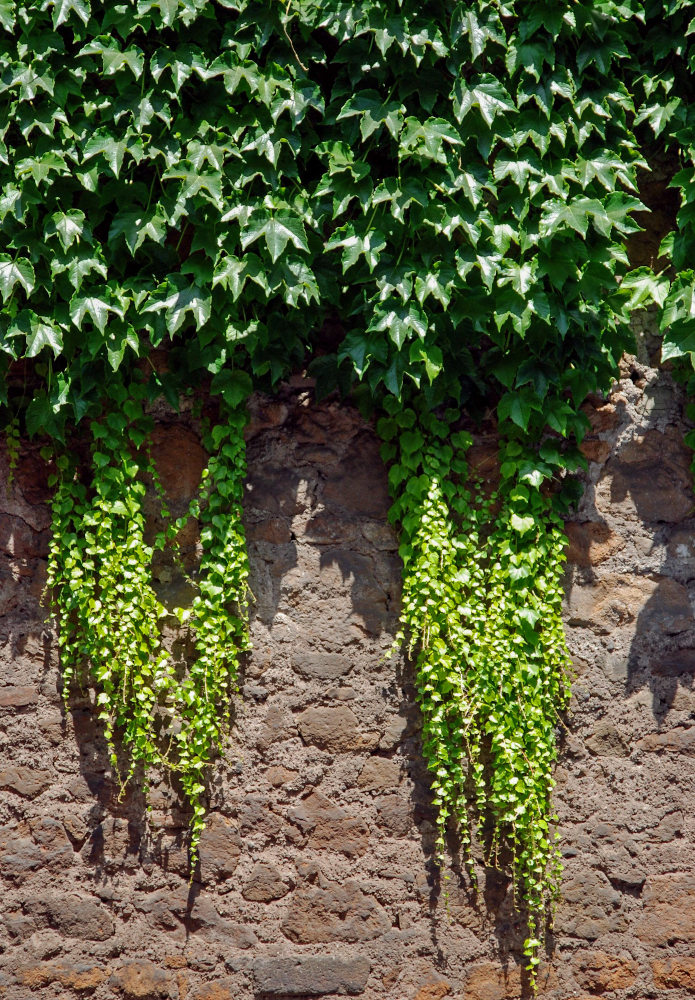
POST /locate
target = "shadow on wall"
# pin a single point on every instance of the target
(635, 557)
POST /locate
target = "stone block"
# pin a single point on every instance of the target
(337, 729)
(600, 972)
(333, 913)
(321, 666)
(491, 981)
(77, 976)
(220, 848)
(329, 826)
(26, 781)
(264, 884)
(311, 976)
(71, 915)
(141, 980)
(395, 815)
(18, 697)
(591, 542)
(669, 910)
(379, 774)
(674, 973)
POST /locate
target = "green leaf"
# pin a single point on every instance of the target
(487, 94)
(13, 271)
(278, 230)
(62, 9)
(70, 226)
(182, 300)
(43, 335)
(92, 306)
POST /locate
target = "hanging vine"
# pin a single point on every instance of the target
(109, 615)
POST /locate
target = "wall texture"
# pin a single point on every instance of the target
(316, 876)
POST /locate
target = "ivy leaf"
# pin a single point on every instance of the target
(70, 226)
(62, 8)
(113, 150)
(278, 230)
(43, 335)
(355, 246)
(13, 271)
(183, 300)
(92, 306)
(487, 94)
(7, 14)
(644, 288)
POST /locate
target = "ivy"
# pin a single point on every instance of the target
(482, 616)
(428, 206)
(110, 618)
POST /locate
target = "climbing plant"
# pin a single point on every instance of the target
(427, 206)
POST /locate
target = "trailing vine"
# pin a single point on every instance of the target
(427, 206)
(481, 613)
(110, 618)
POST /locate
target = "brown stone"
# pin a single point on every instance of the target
(311, 976)
(595, 450)
(180, 461)
(600, 972)
(674, 974)
(610, 602)
(395, 815)
(264, 884)
(322, 666)
(220, 848)
(680, 740)
(333, 913)
(590, 542)
(602, 416)
(73, 976)
(490, 981)
(379, 773)
(329, 827)
(18, 697)
(220, 989)
(72, 915)
(589, 906)
(606, 740)
(674, 663)
(650, 476)
(434, 991)
(358, 489)
(669, 910)
(336, 729)
(27, 781)
(141, 980)
(273, 529)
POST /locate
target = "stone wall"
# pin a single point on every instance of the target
(316, 874)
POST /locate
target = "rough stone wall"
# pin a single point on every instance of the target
(316, 876)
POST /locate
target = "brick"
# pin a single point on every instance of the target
(311, 976)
